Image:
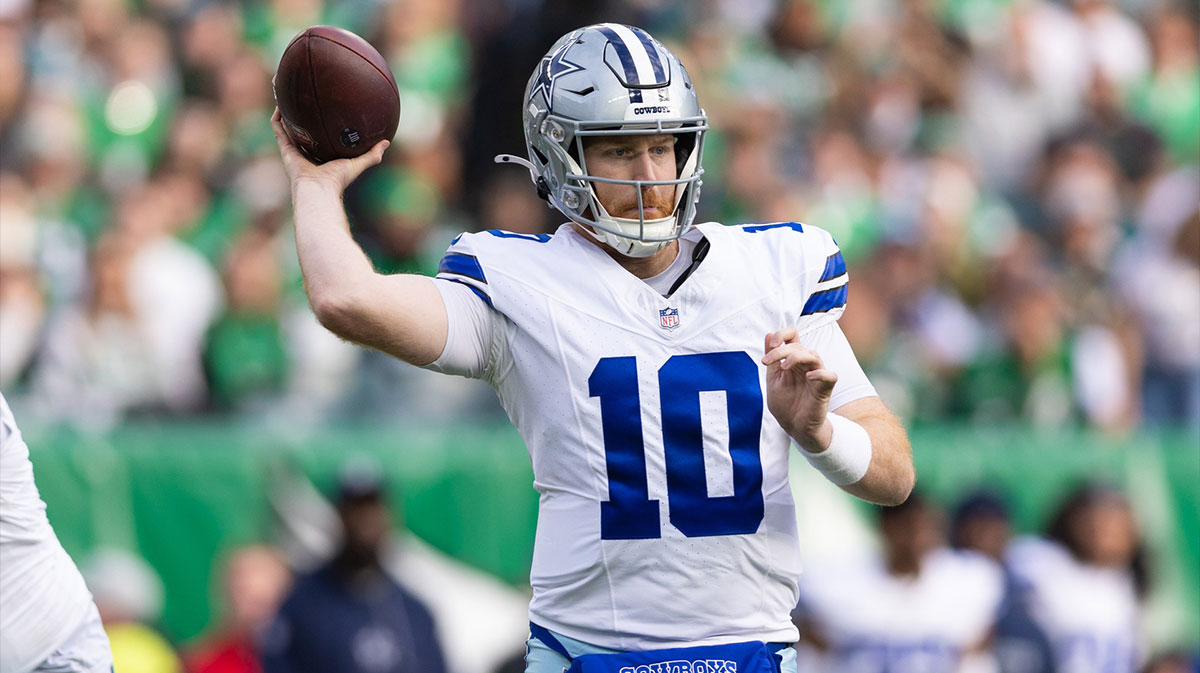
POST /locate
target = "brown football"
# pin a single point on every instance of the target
(336, 94)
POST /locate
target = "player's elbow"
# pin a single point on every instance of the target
(337, 312)
(901, 486)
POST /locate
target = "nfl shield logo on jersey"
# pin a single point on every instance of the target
(668, 318)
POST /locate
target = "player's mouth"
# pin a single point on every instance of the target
(648, 213)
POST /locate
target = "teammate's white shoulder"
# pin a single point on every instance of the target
(828, 585)
(1034, 560)
(969, 570)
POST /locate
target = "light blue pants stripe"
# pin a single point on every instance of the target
(541, 659)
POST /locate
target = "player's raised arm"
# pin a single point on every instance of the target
(403, 314)
(861, 446)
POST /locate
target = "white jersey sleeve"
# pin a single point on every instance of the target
(43, 594)
(470, 331)
(470, 314)
(830, 344)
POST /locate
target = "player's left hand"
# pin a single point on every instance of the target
(798, 389)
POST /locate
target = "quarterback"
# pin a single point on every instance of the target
(658, 370)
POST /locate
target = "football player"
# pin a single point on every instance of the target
(48, 623)
(1085, 581)
(917, 608)
(657, 370)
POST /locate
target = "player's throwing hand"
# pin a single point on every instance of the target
(337, 173)
(798, 389)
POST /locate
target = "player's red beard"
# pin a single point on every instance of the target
(656, 202)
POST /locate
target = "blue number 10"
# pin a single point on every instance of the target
(629, 513)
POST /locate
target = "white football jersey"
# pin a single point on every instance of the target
(1089, 614)
(42, 593)
(876, 622)
(665, 516)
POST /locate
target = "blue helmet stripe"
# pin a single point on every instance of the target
(660, 76)
(622, 49)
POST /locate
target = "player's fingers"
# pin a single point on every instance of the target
(287, 149)
(792, 355)
(823, 376)
(277, 126)
(823, 380)
(780, 337)
(362, 162)
(377, 151)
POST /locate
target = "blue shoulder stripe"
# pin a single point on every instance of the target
(755, 228)
(835, 266)
(462, 265)
(499, 233)
(480, 293)
(826, 301)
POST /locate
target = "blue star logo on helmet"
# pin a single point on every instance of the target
(552, 67)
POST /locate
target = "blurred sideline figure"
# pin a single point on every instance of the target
(349, 615)
(1085, 581)
(981, 523)
(1174, 662)
(48, 621)
(255, 579)
(129, 596)
(919, 608)
(467, 604)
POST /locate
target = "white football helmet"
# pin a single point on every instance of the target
(605, 80)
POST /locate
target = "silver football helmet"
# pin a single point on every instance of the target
(612, 80)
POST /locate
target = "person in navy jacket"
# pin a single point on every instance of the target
(349, 615)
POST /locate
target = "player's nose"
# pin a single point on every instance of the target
(644, 166)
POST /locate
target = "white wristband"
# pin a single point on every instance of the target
(849, 453)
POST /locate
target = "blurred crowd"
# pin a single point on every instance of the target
(941, 590)
(1014, 184)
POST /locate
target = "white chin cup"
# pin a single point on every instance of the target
(627, 242)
